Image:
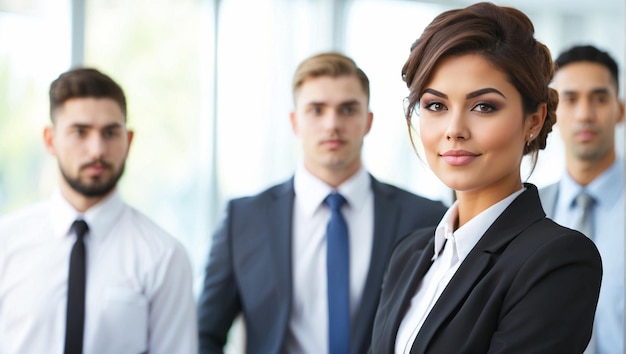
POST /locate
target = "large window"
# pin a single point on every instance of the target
(209, 90)
(162, 54)
(35, 48)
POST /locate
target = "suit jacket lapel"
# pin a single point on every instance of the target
(385, 224)
(423, 262)
(458, 288)
(522, 212)
(281, 215)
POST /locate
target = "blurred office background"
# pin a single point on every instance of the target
(209, 89)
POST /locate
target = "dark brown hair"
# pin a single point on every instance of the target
(502, 35)
(81, 83)
(329, 64)
(591, 54)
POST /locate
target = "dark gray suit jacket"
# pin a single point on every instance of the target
(528, 286)
(249, 268)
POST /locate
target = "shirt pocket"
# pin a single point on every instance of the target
(126, 316)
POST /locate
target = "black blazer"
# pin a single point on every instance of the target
(249, 268)
(528, 286)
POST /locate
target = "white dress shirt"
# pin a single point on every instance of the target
(451, 248)
(139, 295)
(308, 324)
(608, 235)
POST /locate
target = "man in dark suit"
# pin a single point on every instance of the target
(268, 259)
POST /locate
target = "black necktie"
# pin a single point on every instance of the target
(338, 273)
(75, 319)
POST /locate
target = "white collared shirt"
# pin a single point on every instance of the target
(139, 295)
(451, 248)
(308, 324)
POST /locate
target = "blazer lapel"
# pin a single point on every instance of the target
(280, 213)
(423, 262)
(386, 213)
(458, 288)
(521, 213)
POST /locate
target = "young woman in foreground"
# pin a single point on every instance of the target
(496, 276)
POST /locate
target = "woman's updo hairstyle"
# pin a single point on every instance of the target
(502, 35)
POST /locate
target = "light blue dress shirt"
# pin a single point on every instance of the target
(608, 235)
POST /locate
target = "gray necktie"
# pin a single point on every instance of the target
(584, 224)
(584, 221)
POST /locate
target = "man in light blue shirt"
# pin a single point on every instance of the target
(589, 110)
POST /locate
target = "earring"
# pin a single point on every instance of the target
(530, 138)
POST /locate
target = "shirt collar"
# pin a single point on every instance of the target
(445, 228)
(468, 235)
(311, 191)
(100, 217)
(605, 189)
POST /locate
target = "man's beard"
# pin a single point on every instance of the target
(98, 187)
